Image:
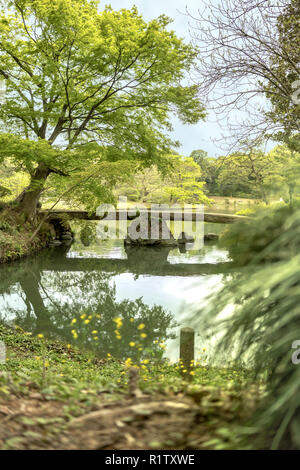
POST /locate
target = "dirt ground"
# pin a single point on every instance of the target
(136, 422)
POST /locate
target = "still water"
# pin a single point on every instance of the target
(84, 289)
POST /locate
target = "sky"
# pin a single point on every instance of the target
(201, 135)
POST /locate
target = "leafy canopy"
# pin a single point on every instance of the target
(180, 183)
(285, 66)
(76, 76)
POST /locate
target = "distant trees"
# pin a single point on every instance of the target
(180, 183)
(287, 177)
(210, 170)
(251, 173)
(144, 186)
(184, 183)
(248, 173)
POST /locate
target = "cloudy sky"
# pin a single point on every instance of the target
(199, 136)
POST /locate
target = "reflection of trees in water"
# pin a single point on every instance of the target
(53, 299)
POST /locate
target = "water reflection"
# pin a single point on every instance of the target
(46, 293)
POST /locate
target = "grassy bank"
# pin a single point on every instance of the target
(53, 396)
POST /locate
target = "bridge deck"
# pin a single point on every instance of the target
(130, 215)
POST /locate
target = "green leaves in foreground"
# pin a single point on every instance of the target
(265, 320)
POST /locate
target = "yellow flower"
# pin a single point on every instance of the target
(143, 335)
(73, 321)
(46, 363)
(192, 372)
(184, 371)
(118, 322)
(131, 320)
(90, 317)
(83, 316)
(128, 362)
(98, 316)
(74, 333)
(145, 361)
(87, 321)
(132, 344)
(141, 326)
(38, 358)
(68, 346)
(94, 332)
(96, 337)
(40, 336)
(108, 355)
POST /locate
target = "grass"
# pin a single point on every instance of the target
(73, 383)
(67, 370)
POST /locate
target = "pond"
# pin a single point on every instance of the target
(76, 293)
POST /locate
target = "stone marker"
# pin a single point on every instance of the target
(187, 345)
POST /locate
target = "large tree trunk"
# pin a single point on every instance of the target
(27, 201)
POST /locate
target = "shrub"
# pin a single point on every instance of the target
(265, 319)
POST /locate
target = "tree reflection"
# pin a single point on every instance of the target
(53, 300)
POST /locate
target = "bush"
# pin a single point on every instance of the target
(263, 239)
(265, 319)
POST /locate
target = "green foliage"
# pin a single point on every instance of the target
(262, 236)
(12, 179)
(144, 186)
(286, 177)
(252, 173)
(199, 156)
(247, 173)
(87, 233)
(284, 95)
(80, 368)
(101, 85)
(264, 320)
(176, 182)
(183, 185)
(14, 236)
(4, 191)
